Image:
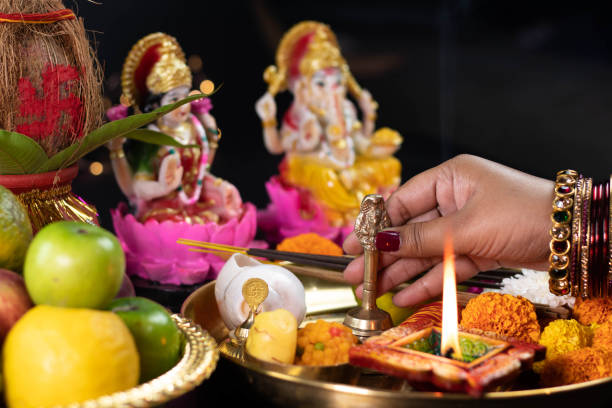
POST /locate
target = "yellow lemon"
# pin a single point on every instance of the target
(398, 314)
(56, 356)
(15, 231)
(385, 302)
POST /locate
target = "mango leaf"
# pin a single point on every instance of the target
(106, 132)
(55, 162)
(19, 154)
(157, 138)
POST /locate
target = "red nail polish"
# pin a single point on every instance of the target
(388, 241)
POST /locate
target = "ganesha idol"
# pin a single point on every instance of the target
(333, 157)
(170, 190)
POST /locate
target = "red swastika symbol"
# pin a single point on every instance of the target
(43, 114)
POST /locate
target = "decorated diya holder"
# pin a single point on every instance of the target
(417, 357)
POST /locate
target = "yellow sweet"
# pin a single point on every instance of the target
(324, 343)
(273, 337)
(57, 356)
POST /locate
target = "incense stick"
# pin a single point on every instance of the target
(325, 266)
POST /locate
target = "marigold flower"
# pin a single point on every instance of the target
(595, 310)
(511, 316)
(310, 243)
(577, 366)
(602, 337)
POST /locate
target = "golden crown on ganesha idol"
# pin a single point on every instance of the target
(306, 48)
(155, 64)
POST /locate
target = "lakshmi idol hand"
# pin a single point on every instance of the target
(332, 157)
(169, 178)
(496, 216)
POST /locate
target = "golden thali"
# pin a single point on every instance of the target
(346, 386)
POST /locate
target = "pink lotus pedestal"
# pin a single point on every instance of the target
(152, 252)
(291, 213)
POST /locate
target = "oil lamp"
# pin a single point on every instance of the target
(446, 358)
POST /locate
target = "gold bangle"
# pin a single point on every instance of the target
(116, 154)
(576, 234)
(608, 282)
(585, 234)
(372, 117)
(268, 123)
(560, 244)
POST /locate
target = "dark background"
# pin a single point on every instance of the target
(524, 83)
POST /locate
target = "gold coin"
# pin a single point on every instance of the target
(255, 291)
(207, 87)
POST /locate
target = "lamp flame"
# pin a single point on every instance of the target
(450, 329)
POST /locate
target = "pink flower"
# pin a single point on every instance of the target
(201, 106)
(117, 112)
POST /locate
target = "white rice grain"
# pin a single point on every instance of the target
(533, 286)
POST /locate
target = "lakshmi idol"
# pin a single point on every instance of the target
(333, 157)
(171, 190)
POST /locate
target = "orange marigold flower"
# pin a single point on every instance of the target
(581, 365)
(595, 310)
(602, 337)
(310, 243)
(512, 316)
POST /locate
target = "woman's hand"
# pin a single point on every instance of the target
(496, 216)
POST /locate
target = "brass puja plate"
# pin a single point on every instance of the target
(343, 385)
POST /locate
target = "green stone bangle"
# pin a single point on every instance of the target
(560, 244)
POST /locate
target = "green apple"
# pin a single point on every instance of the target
(73, 264)
(157, 338)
